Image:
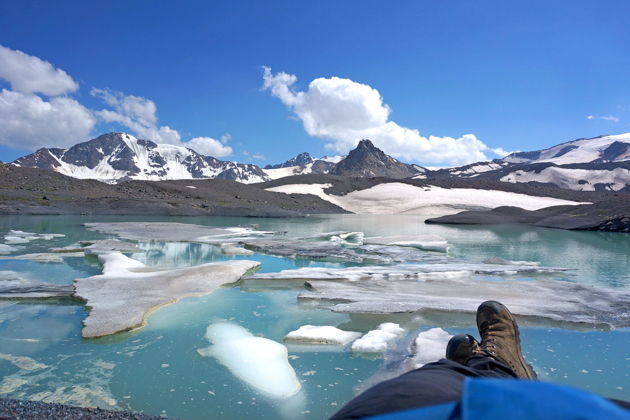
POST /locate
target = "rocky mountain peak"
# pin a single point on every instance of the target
(115, 157)
(368, 160)
(300, 160)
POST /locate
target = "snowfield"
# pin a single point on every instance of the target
(573, 179)
(430, 201)
(578, 151)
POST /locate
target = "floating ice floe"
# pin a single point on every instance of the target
(261, 363)
(501, 261)
(429, 346)
(231, 249)
(403, 271)
(45, 257)
(560, 301)
(174, 232)
(378, 340)
(324, 334)
(320, 250)
(424, 242)
(121, 298)
(99, 245)
(21, 237)
(14, 287)
(7, 249)
(343, 236)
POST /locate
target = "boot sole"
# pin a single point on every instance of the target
(498, 307)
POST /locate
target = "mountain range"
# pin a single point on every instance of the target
(595, 164)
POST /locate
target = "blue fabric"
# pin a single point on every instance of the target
(448, 411)
(498, 399)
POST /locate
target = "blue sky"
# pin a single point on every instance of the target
(516, 76)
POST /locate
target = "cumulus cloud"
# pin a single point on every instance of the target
(209, 146)
(603, 117)
(139, 115)
(36, 111)
(28, 122)
(344, 111)
(29, 74)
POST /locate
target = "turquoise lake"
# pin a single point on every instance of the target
(157, 369)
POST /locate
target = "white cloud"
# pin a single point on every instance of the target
(28, 122)
(604, 117)
(344, 111)
(137, 114)
(209, 146)
(140, 116)
(28, 74)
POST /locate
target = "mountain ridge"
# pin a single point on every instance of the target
(596, 164)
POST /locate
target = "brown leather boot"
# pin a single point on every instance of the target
(500, 338)
(461, 347)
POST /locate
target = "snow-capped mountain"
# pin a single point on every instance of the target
(594, 150)
(302, 159)
(116, 157)
(302, 164)
(595, 164)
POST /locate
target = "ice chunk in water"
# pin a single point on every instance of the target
(7, 249)
(424, 242)
(429, 346)
(231, 249)
(325, 334)
(315, 250)
(21, 237)
(403, 271)
(378, 340)
(260, 362)
(501, 261)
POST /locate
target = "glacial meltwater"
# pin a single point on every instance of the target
(176, 366)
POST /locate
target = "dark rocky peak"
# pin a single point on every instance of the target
(300, 160)
(368, 160)
(43, 158)
(613, 151)
(91, 152)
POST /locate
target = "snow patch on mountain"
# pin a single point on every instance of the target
(574, 179)
(614, 148)
(116, 157)
(429, 201)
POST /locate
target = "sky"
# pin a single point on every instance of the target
(439, 83)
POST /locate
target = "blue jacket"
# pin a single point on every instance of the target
(498, 399)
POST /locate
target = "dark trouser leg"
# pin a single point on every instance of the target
(434, 383)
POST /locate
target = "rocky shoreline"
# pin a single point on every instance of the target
(27, 410)
(45, 192)
(605, 216)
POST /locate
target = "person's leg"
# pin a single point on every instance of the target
(441, 382)
(434, 383)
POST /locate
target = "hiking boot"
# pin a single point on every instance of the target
(500, 338)
(461, 347)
